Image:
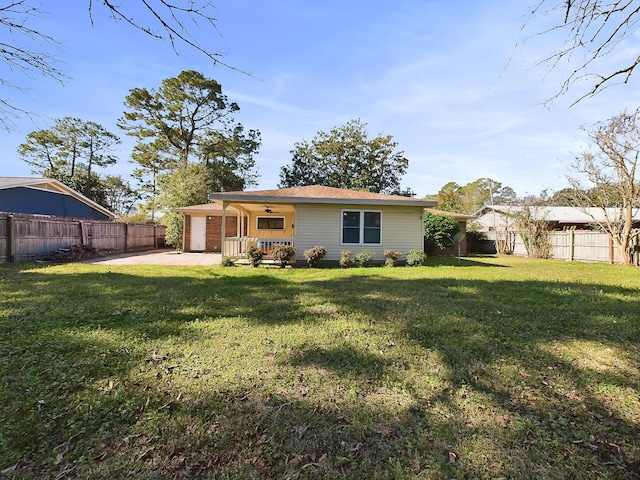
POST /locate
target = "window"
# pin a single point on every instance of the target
(361, 227)
(270, 223)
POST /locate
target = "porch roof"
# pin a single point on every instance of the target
(204, 209)
(457, 216)
(318, 194)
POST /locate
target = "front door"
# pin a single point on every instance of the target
(198, 234)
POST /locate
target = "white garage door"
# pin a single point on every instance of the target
(198, 234)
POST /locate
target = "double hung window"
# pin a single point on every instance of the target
(361, 227)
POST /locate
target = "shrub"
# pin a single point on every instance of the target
(534, 233)
(416, 258)
(314, 255)
(438, 231)
(346, 260)
(283, 254)
(391, 257)
(255, 255)
(173, 235)
(363, 258)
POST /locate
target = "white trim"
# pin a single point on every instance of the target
(361, 226)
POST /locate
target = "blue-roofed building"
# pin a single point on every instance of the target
(46, 196)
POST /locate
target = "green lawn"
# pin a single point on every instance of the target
(497, 368)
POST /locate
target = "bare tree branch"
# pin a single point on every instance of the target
(30, 52)
(172, 21)
(24, 50)
(594, 30)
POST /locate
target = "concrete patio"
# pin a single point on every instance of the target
(159, 257)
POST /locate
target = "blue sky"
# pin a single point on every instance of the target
(451, 81)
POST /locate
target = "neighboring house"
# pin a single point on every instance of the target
(304, 217)
(46, 196)
(462, 220)
(500, 218)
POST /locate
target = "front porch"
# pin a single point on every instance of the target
(261, 225)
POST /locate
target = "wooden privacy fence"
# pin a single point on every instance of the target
(27, 237)
(577, 245)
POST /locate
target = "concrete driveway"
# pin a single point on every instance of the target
(159, 257)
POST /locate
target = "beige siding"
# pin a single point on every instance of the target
(262, 233)
(318, 224)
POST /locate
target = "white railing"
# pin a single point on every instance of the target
(237, 247)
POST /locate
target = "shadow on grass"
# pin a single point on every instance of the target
(438, 377)
(467, 261)
(342, 361)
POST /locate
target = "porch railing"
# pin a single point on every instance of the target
(237, 247)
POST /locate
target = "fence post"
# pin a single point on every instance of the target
(155, 236)
(126, 237)
(611, 257)
(81, 228)
(10, 240)
(572, 244)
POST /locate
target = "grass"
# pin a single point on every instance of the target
(497, 368)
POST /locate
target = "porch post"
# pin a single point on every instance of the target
(223, 232)
(293, 230)
(184, 231)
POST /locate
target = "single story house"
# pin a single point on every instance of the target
(46, 196)
(304, 217)
(500, 218)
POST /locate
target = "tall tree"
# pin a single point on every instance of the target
(32, 52)
(151, 165)
(188, 142)
(565, 197)
(233, 153)
(345, 157)
(69, 130)
(474, 195)
(611, 172)
(450, 198)
(119, 195)
(96, 145)
(41, 151)
(180, 113)
(69, 151)
(594, 29)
